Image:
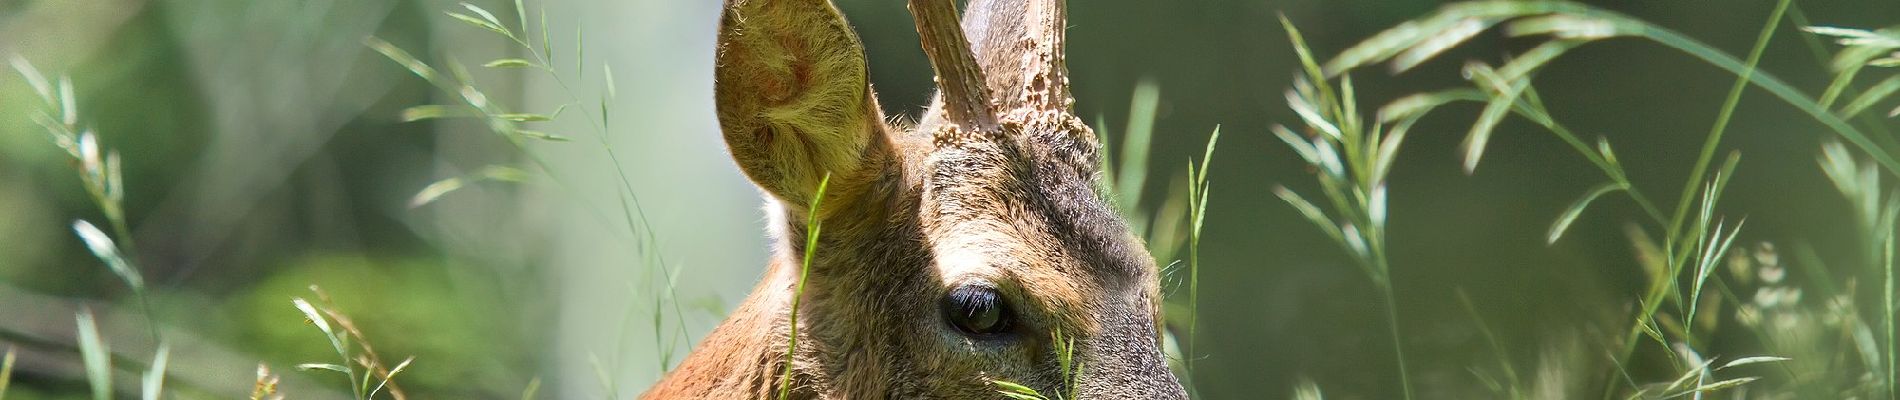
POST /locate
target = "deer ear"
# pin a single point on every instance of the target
(792, 98)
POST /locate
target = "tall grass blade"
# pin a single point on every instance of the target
(68, 102)
(1388, 152)
(1858, 37)
(1775, 86)
(1306, 150)
(613, 92)
(6, 372)
(154, 383)
(435, 190)
(102, 247)
(404, 365)
(1016, 391)
(403, 58)
(1311, 212)
(338, 368)
(1197, 211)
(1579, 21)
(1752, 360)
(1494, 111)
(1570, 214)
(1305, 389)
(1418, 104)
(482, 23)
(97, 357)
(33, 77)
(1421, 32)
(521, 14)
(337, 341)
(1886, 238)
(500, 173)
(533, 389)
(1847, 65)
(1311, 114)
(1491, 338)
(525, 117)
(1693, 374)
(812, 227)
(1563, 26)
(1728, 109)
(1065, 359)
(1523, 65)
(1314, 74)
(539, 135)
(1207, 157)
(511, 63)
(1133, 172)
(436, 111)
(547, 46)
(486, 16)
(1454, 34)
(1713, 252)
(1875, 94)
(1726, 384)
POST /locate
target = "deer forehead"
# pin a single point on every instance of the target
(1007, 212)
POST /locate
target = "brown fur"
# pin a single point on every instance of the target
(913, 212)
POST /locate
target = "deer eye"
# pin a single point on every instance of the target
(978, 310)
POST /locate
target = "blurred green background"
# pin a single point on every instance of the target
(264, 152)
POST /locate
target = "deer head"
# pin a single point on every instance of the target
(952, 249)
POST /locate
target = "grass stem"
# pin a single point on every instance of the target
(812, 227)
(1398, 345)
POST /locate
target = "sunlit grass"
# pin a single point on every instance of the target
(1064, 348)
(1353, 158)
(1170, 227)
(1197, 216)
(101, 173)
(357, 360)
(1694, 241)
(6, 370)
(812, 229)
(511, 126)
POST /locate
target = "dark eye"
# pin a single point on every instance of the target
(978, 311)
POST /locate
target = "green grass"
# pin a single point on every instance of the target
(511, 126)
(1695, 240)
(1064, 347)
(1354, 159)
(99, 169)
(1197, 216)
(812, 229)
(357, 361)
(6, 371)
(96, 355)
(1169, 228)
(100, 172)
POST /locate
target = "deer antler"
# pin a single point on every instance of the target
(1049, 36)
(965, 98)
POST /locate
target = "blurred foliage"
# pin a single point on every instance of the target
(461, 340)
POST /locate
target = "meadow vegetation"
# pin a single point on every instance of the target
(1717, 316)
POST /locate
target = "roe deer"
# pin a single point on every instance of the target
(951, 248)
